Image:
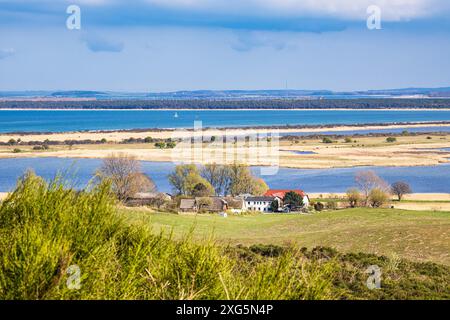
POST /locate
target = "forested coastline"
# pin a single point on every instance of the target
(230, 104)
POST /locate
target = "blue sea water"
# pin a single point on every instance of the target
(76, 120)
(426, 179)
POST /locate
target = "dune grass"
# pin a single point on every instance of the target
(47, 231)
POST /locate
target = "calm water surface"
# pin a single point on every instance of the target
(422, 179)
(76, 120)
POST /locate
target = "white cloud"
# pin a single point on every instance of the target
(392, 10)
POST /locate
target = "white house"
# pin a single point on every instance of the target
(261, 204)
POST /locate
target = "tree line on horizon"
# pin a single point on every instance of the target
(281, 103)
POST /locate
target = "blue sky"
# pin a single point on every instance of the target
(168, 45)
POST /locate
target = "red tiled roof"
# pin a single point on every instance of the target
(281, 193)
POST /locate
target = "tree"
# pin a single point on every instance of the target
(241, 179)
(353, 197)
(400, 188)
(274, 206)
(259, 187)
(202, 190)
(368, 180)
(125, 175)
(159, 200)
(378, 197)
(293, 199)
(218, 176)
(185, 178)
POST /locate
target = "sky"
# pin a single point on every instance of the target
(171, 45)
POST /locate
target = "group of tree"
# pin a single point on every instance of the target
(373, 191)
(216, 179)
(125, 175)
(235, 103)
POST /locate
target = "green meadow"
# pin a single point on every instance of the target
(414, 235)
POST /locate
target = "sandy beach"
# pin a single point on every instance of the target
(116, 136)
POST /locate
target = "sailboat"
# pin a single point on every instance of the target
(175, 115)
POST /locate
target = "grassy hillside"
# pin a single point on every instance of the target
(48, 232)
(415, 235)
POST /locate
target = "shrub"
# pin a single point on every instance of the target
(160, 145)
(171, 145)
(16, 150)
(41, 147)
(327, 140)
(331, 205)
(391, 139)
(378, 197)
(348, 140)
(353, 197)
(318, 206)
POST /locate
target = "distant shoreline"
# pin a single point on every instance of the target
(224, 109)
(285, 129)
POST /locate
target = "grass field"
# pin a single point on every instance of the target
(414, 235)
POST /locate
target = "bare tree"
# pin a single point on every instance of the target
(400, 188)
(126, 176)
(369, 180)
(218, 176)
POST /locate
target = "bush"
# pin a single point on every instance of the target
(41, 147)
(327, 140)
(348, 140)
(171, 145)
(378, 197)
(318, 206)
(353, 197)
(391, 139)
(16, 150)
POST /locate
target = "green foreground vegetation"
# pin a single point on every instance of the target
(46, 231)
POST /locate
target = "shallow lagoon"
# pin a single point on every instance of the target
(426, 179)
